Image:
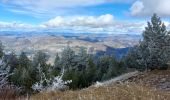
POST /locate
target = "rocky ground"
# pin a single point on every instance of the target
(156, 79)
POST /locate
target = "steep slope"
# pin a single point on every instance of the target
(159, 79)
(152, 85)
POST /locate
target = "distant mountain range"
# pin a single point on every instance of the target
(53, 43)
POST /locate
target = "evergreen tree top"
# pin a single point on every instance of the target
(155, 28)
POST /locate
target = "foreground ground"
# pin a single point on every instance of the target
(115, 92)
(154, 85)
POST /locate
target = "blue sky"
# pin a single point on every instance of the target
(109, 16)
(117, 9)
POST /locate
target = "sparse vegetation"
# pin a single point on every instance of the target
(114, 92)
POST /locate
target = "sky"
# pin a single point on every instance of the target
(81, 16)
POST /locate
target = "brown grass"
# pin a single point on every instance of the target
(143, 87)
(114, 92)
(9, 93)
(146, 86)
(159, 79)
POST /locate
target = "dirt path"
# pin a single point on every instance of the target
(118, 79)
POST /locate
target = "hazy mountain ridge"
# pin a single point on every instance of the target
(54, 43)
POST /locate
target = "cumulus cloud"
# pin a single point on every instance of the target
(90, 21)
(80, 24)
(148, 7)
(94, 24)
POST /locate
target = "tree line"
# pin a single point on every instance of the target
(81, 68)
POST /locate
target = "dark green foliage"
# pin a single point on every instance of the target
(79, 67)
(56, 68)
(23, 60)
(67, 58)
(114, 69)
(12, 61)
(91, 71)
(83, 71)
(108, 67)
(74, 65)
(131, 59)
(156, 43)
(153, 51)
(57, 64)
(24, 74)
(40, 60)
(1, 49)
(81, 59)
(103, 64)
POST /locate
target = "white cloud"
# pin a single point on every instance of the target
(148, 7)
(51, 7)
(16, 26)
(94, 24)
(43, 8)
(46, 4)
(89, 21)
(80, 24)
(137, 7)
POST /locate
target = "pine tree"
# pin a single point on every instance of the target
(23, 75)
(131, 60)
(81, 59)
(56, 68)
(23, 60)
(75, 66)
(153, 51)
(40, 60)
(103, 65)
(91, 71)
(12, 61)
(155, 44)
(114, 68)
(67, 58)
(57, 62)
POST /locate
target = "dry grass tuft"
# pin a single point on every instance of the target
(9, 93)
(115, 92)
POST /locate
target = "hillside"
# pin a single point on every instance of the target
(55, 44)
(152, 85)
